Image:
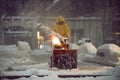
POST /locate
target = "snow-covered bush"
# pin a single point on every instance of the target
(21, 50)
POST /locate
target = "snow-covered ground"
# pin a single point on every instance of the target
(36, 63)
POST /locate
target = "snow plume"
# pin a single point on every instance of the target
(21, 50)
(45, 28)
(31, 7)
(48, 31)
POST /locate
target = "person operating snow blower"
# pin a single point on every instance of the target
(62, 28)
(62, 57)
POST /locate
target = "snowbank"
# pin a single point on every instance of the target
(22, 49)
(23, 46)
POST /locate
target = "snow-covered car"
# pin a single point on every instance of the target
(107, 54)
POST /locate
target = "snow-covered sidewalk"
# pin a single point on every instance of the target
(58, 74)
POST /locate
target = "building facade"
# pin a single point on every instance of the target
(97, 20)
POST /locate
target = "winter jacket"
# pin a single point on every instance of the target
(61, 27)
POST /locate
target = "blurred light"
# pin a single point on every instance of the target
(116, 33)
(38, 34)
(55, 40)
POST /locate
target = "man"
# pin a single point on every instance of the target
(61, 27)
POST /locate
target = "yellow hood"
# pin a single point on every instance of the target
(60, 19)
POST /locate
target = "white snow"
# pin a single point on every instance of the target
(110, 52)
(23, 46)
(21, 60)
(107, 54)
(21, 50)
(109, 49)
(86, 50)
(33, 77)
(73, 46)
(53, 75)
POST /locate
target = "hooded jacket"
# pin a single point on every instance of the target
(61, 27)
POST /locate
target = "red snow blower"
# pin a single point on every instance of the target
(63, 57)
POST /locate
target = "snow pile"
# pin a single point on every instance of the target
(23, 46)
(22, 49)
(86, 50)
